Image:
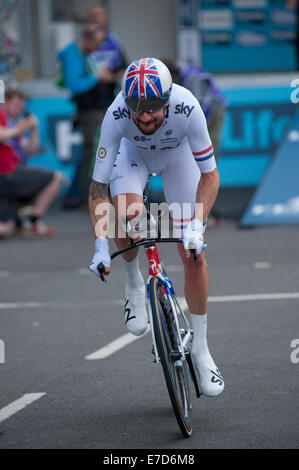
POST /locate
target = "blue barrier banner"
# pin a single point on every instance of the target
(256, 121)
(276, 201)
(61, 143)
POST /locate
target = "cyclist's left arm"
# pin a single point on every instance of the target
(99, 205)
(207, 191)
(202, 149)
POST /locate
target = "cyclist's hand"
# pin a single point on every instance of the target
(192, 237)
(101, 256)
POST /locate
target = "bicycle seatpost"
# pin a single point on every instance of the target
(150, 218)
(193, 252)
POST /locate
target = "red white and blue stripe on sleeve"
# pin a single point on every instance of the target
(205, 159)
(204, 154)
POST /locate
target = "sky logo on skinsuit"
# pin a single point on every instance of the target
(2, 89)
(121, 113)
(183, 109)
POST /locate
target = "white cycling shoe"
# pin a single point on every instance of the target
(136, 318)
(211, 382)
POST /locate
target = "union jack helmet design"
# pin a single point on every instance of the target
(146, 79)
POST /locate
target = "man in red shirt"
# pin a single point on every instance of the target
(21, 184)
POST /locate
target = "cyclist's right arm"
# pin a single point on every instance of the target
(99, 206)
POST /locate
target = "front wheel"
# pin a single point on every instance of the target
(175, 370)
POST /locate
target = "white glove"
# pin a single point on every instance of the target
(192, 236)
(101, 256)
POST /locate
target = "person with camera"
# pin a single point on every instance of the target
(21, 184)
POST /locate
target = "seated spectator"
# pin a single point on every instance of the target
(202, 85)
(212, 101)
(19, 183)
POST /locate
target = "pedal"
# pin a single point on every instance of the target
(175, 356)
(193, 375)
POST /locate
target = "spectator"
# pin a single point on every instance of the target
(20, 184)
(212, 102)
(294, 5)
(110, 50)
(202, 85)
(93, 91)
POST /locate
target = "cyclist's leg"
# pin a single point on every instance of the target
(127, 183)
(183, 169)
(122, 204)
(180, 181)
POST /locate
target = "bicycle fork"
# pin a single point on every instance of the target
(155, 270)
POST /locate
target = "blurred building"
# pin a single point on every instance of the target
(219, 35)
(43, 26)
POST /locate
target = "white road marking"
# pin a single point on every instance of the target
(83, 271)
(5, 305)
(241, 298)
(115, 346)
(211, 299)
(5, 273)
(34, 304)
(262, 265)
(128, 338)
(18, 405)
(174, 268)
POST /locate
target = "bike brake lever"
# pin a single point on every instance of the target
(101, 269)
(193, 252)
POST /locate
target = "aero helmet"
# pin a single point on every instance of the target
(146, 85)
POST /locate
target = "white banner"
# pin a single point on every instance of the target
(250, 3)
(215, 20)
(188, 46)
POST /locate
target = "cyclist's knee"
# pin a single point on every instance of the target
(192, 267)
(127, 207)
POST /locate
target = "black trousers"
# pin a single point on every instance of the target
(21, 186)
(90, 121)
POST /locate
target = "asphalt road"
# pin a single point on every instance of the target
(53, 314)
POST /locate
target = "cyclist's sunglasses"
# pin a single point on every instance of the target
(150, 105)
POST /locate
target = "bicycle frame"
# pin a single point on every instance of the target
(155, 270)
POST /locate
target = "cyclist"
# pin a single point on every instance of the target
(155, 126)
